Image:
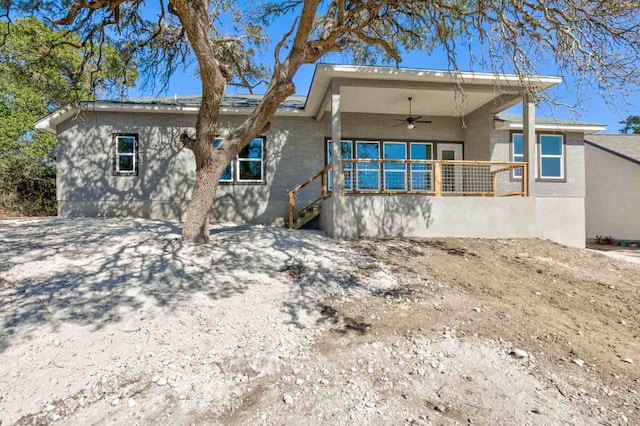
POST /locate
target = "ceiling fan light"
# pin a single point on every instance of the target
(411, 126)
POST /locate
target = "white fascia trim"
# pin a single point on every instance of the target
(417, 74)
(582, 128)
(185, 109)
(50, 122)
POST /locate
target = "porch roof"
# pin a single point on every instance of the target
(364, 89)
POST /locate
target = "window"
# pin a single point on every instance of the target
(517, 152)
(248, 167)
(250, 162)
(421, 173)
(395, 174)
(126, 155)
(368, 174)
(347, 153)
(371, 176)
(551, 157)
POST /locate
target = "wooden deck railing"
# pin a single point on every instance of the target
(324, 193)
(434, 177)
(429, 177)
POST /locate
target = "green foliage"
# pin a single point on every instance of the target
(631, 125)
(40, 72)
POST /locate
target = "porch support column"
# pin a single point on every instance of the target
(336, 155)
(529, 141)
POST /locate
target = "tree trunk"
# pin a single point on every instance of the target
(196, 225)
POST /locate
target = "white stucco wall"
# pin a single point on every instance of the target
(612, 195)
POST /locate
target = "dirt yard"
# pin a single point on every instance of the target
(106, 320)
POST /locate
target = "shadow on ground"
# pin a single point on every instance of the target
(92, 271)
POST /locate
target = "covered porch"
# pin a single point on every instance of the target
(421, 155)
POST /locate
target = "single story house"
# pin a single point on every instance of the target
(613, 186)
(422, 153)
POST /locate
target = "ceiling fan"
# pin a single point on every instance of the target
(411, 121)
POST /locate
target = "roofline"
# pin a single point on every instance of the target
(612, 152)
(467, 76)
(49, 122)
(323, 75)
(566, 127)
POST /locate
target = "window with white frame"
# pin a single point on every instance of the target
(347, 153)
(421, 174)
(248, 167)
(551, 164)
(392, 176)
(367, 173)
(517, 152)
(126, 155)
(395, 174)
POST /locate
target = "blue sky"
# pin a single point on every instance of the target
(588, 103)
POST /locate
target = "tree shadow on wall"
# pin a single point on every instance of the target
(385, 215)
(87, 181)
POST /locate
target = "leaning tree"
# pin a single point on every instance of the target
(597, 40)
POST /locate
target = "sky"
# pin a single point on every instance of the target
(574, 103)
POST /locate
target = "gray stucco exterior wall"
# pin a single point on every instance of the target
(295, 150)
(613, 195)
(558, 219)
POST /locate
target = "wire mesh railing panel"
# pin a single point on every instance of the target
(483, 178)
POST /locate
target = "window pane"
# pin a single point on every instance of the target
(517, 173)
(253, 150)
(368, 179)
(346, 150)
(126, 144)
(395, 180)
(250, 170)
(421, 151)
(551, 144)
(346, 154)
(395, 150)
(125, 163)
(518, 145)
(368, 150)
(448, 155)
(420, 180)
(227, 175)
(216, 142)
(551, 167)
(348, 180)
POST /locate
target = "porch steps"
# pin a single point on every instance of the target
(307, 214)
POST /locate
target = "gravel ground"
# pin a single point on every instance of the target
(114, 321)
(112, 318)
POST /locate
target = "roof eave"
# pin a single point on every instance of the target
(324, 73)
(51, 121)
(582, 128)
